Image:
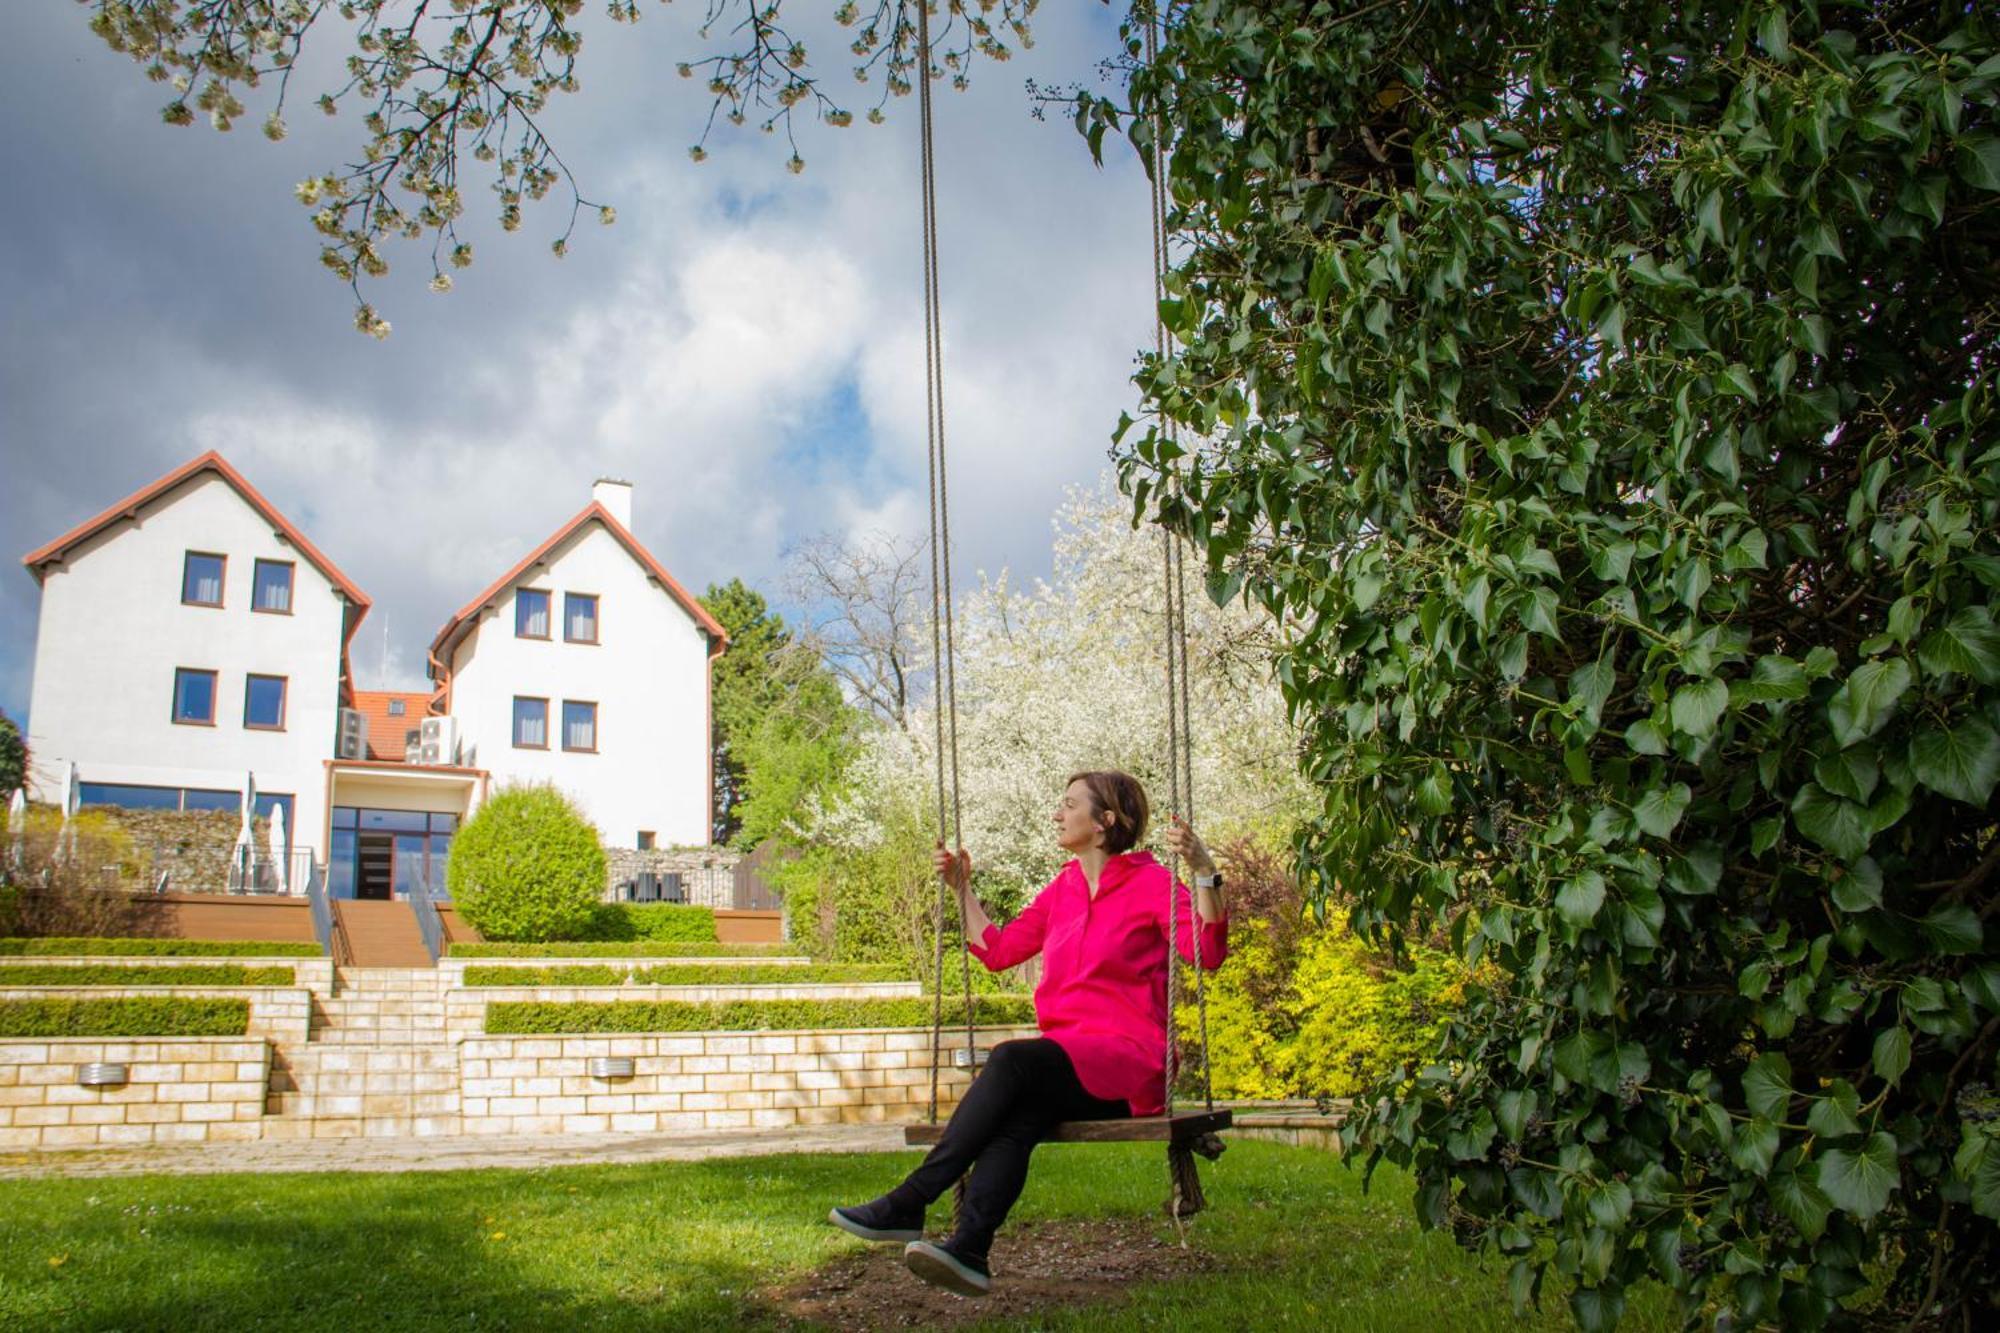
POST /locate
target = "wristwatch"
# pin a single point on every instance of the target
(1208, 881)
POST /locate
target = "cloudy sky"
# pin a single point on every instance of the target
(745, 344)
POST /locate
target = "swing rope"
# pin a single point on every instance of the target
(1191, 1135)
(943, 649)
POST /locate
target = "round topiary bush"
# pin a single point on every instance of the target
(527, 866)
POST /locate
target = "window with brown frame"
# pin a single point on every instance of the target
(194, 697)
(531, 723)
(201, 578)
(264, 703)
(579, 722)
(579, 617)
(271, 587)
(531, 613)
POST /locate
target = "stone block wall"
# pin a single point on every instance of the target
(624, 863)
(182, 1090)
(465, 1008)
(700, 1081)
(279, 1013)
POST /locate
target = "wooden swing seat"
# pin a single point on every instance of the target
(1176, 1129)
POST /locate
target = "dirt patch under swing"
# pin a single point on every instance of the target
(1037, 1267)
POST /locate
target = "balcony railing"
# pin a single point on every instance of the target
(251, 871)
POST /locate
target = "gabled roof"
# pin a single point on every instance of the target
(468, 614)
(386, 733)
(128, 508)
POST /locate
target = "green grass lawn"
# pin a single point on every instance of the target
(691, 1245)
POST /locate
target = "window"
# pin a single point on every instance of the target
(531, 723)
(645, 840)
(194, 697)
(531, 614)
(580, 617)
(130, 798)
(579, 725)
(201, 579)
(206, 798)
(271, 587)
(264, 703)
(395, 708)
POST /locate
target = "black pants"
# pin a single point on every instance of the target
(1025, 1090)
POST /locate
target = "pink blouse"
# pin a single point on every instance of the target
(1103, 996)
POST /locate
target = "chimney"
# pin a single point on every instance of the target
(616, 497)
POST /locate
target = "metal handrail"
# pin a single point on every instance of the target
(327, 927)
(430, 923)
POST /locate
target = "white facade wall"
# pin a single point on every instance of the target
(113, 630)
(648, 675)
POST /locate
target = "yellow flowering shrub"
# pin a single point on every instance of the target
(1325, 1021)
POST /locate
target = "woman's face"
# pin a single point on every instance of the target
(1077, 826)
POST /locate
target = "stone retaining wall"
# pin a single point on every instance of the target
(182, 1090)
(465, 1008)
(280, 1013)
(705, 1081)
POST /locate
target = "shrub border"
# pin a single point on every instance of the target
(126, 1016)
(536, 1017)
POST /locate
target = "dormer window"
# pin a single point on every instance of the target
(531, 614)
(201, 579)
(395, 708)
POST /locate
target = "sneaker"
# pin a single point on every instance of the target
(879, 1220)
(942, 1266)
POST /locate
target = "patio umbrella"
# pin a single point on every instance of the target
(17, 824)
(277, 842)
(240, 858)
(72, 798)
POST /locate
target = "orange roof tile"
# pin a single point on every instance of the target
(718, 637)
(388, 732)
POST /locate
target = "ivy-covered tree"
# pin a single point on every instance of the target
(13, 758)
(1602, 397)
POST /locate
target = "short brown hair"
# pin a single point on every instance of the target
(1120, 796)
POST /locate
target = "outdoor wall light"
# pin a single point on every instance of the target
(101, 1075)
(611, 1066)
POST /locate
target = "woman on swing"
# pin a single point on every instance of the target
(1102, 1006)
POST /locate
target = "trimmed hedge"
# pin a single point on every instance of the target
(767, 974)
(190, 974)
(587, 975)
(746, 1015)
(166, 1016)
(618, 949)
(685, 974)
(65, 946)
(667, 922)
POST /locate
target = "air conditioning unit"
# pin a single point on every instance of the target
(438, 740)
(353, 740)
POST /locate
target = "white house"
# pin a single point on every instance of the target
(582, 666)
(190, 634)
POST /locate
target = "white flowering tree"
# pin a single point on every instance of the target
(1071, 674)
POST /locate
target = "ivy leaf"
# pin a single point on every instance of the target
(1434, 793)
(1767, 1085)
(1865, 700)
(1697, 707)
(1978, 161)
(1858, 887)
(1597, 1308)
(1590, 686)
(1953, 930)
(1660, 810)
(1892, 1054)
(1832, 1116)
(1962, 763)
(1579, 900)
(1838, 825)
(1512, 1111)
(1859, 1181)
(1851, 773)
(1755, 1146)
(1774, 679)
(1799, 1200)
(1967, 645)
